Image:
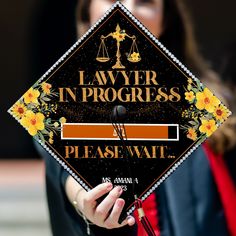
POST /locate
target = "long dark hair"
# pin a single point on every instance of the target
(178, 37)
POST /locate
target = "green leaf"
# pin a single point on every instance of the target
(46, 99)
(192, 122)
(200, 88)
(45, 132)
(195, 90)
(49, 120)
(41, 137)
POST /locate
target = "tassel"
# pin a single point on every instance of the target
(142, 217)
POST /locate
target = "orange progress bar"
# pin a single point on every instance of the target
(107, 132)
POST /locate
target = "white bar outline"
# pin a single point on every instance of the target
(126, 125)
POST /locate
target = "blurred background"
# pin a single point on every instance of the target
(34, 34)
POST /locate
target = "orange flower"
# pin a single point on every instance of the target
(31, 96)
(208, 127)
(33, 122)
(46, 87)
(221, 113)
(206, 100)
(192, 134)
(19, 110)
(189, 96)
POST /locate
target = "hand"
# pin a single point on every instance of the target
(105, 214)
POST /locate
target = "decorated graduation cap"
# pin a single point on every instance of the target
(119, 107)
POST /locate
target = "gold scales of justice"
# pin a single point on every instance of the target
(119, 35)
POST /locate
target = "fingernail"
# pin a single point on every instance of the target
(119, 189)
(120, 203)
(109, 186)
(130, 220)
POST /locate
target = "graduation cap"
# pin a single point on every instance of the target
(119, 107)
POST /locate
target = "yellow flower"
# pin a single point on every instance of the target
(51, 134)
(190, 80)
(50, 140)
(46, 87)
(31, 96)
(62, 120)
(192, 134)
(220, 113)
(19, 110)
(118, 36)
(206, 100)
(33, 122)
(135, 56)
(208, 127)
(189, 96)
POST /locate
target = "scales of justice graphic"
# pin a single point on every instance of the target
(119, 35)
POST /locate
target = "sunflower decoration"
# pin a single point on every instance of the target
(33, 111)
(19, 110)
(220, 113)
(205, 114)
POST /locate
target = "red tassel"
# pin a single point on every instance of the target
(142, 218)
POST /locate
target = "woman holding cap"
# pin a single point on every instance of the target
(191, 201)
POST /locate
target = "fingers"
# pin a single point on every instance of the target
(98, 191)
(108, 212)
(112, 220)
(106, 205)
(89, 199)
